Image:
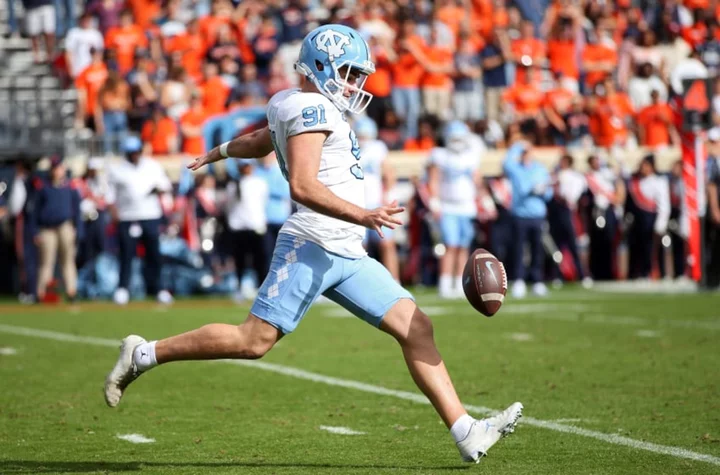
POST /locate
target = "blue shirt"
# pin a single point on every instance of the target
(55, 205)
(278, 205)
(528, 202)
(493, 77)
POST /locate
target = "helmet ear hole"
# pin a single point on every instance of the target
(319, 65)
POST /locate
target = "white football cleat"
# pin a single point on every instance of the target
(121, 296)
(164, 297)
(486, 432)
(540, 289)
(519, 289)
(124, 372)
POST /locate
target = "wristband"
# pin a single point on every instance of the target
(224, 150)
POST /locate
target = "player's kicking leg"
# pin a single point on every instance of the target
(414, 332)
(250, 340)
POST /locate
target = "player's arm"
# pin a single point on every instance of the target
(253, 145)
(303, 160)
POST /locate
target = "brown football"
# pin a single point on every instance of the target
(484, 282)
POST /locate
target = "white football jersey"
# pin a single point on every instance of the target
(374, 153)
(292, 112)
(457, 185)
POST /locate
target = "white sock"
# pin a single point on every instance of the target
(445, 284)
(144, 356)
(461, 428)
(458, 283)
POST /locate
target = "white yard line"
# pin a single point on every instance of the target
(135, 438)
(341, 430)
(405, 395)
(8, 351)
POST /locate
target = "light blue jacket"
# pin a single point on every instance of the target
(278, 206)
(530, 184)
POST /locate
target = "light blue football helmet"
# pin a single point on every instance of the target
(456, 135)
(328, 49)
(365, 128)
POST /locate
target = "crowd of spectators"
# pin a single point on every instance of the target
(580, 74)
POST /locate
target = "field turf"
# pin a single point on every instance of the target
(612, 384)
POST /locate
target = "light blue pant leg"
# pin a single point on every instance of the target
(367, 290)
(406, 103)
(456, 230)
(12, 20)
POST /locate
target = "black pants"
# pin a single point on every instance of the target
(563, 233)
(150, 238)
(602, 243)
(529, 230)
(501, 241)
(641, 241)
(249, 246)
(94, 242)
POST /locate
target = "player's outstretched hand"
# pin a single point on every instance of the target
(211, 157)
(383, 216)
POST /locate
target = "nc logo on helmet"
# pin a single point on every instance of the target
(332, 43)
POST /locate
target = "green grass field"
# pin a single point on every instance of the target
(612, 384)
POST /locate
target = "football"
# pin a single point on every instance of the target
(484, 282)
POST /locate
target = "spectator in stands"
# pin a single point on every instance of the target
(64, 16)
(526, 51)
(598, 59)
(379, 84)
(12, 20)
(143, 92)
(58, 224)
(611, 115)
(88, 83)
(278, 81)
(249, 91)
(467, 91)
(247, 221)
(137, 184)
(40, 21)
(530, 190)
(215, 92)
(562, 48)
(495, 56)
(643, 83)
(523, 102)
(294, 20)
(436, 85)
(111, 119)
(557, 105)
(656, 129)
(79, 44)
(427, 130)
(265, 44)
(160, 132)
(175, 93)
(577, 124)
(126, 40)
(107, 12)
(279, 205)
(225, 46)
(191, 126)
(406, 75)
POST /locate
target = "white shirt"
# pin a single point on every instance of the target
(457, 183)
(656, 189)
(246, 212)
(131, 189)
(374, 153)
(292, 112)
(18, 196)
(78, 44)
(571, 185)
(602, 185)
(639, 90)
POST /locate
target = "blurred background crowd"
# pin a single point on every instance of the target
(159, 79)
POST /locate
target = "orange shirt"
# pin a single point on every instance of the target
(559, 99)
(159, 134)
(90, 80)
(656, 120)
(438, 56)
(209, 26)
(379, 84)
(419, 144)
(452, 16)
(193, 49)
(482, 16)
(563, 58)
(144, 11)
(193, 145)
(215, 93)
(695, 35)
(608, 123)
(125, 41)
(406, 71)
(525, 98)
(596, 53)
(695, 4)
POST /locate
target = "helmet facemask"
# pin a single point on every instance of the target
(348, 76)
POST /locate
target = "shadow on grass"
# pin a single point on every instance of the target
(32, 466)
